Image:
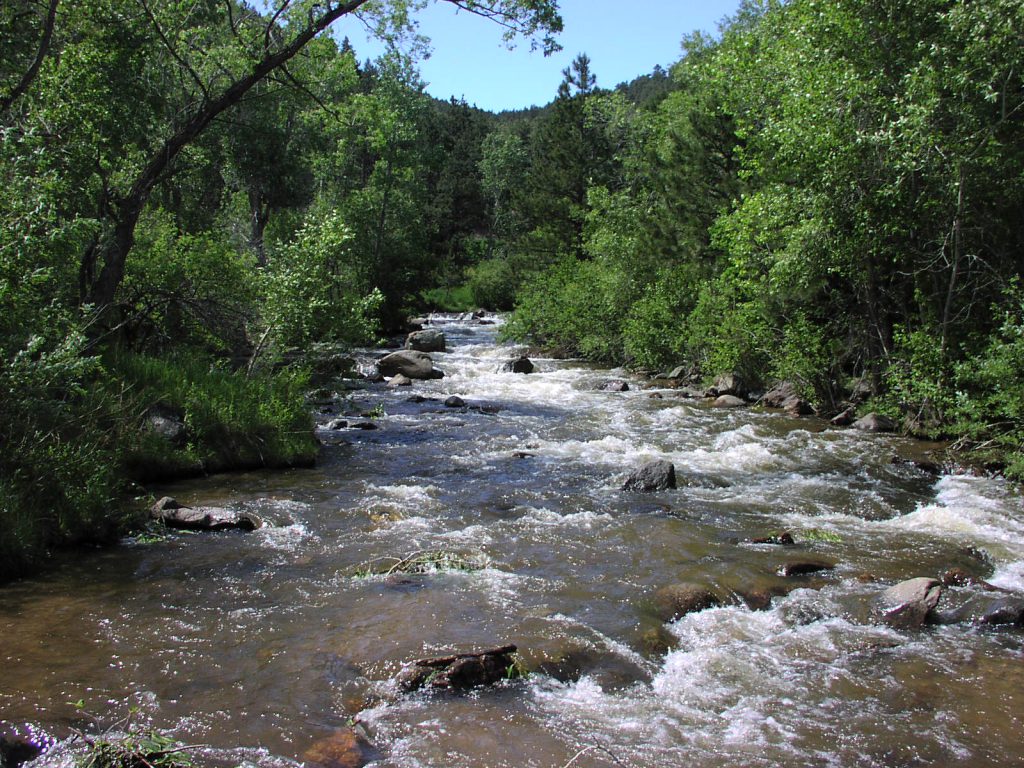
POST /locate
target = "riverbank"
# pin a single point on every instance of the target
(139, 419)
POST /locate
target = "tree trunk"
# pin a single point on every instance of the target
(113, 250)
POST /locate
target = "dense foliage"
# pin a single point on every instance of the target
(830, 194)
(190, 190)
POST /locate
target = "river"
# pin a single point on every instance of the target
(257, 645)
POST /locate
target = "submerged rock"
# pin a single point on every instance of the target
(15, 750)
(344, 748)
(336, 424)
(459, 671)
(615, 385)
(410, 363)
(430, 340)
(677, 600)
(804, 567)
(908, 604)
(657, 475)
(521, 364)
(455, 402)
(1008, 611)
(783, 539)
(169, 512)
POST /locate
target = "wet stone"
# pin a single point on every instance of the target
(455, 402)
(521, 364)
(430, 340)
(909, 603)
(409, 363)
(615, 385)
(875, 422)
(169, 512)
(344, 748)
(400, 380)
(782, 539)
(728, 401)
(677, 600)
(14, 751)
(657, 475)
(804, 567)
(1005, 612)
(459, 671)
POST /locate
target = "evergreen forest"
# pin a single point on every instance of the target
(199, 194)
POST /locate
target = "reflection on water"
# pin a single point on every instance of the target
(259, 644)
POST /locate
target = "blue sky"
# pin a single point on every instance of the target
(624, 38)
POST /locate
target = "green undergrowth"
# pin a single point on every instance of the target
(454, 299)
(75, 430)
(232, 421)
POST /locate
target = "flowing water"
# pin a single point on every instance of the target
(257, 645)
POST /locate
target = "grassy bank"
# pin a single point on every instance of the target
(77, 432)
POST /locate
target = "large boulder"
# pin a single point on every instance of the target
(844, 419)
(797, 406)
(430, 340)
(657, 475)
(459, 671)
(521, 364)
(729, 384)
(677, 600)
(172, 514)
(908, 604)
(779, 394)
(410, 363)
(728, 401)
(875, 422)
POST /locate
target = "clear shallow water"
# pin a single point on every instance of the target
(259, 644)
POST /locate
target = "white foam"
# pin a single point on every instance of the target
(974, 510)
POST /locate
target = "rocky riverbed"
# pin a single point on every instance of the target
(786, 595)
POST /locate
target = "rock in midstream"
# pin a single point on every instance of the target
(459, 671)
(908, 604)
(657, 475)
(345, 748)
(174, 515)
(410, 363)
(430, 340)
(521, 364)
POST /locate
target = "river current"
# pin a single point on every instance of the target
(258, 644)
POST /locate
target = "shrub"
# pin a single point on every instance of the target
(493, 284)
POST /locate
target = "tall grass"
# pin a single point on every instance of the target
(232, 421)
